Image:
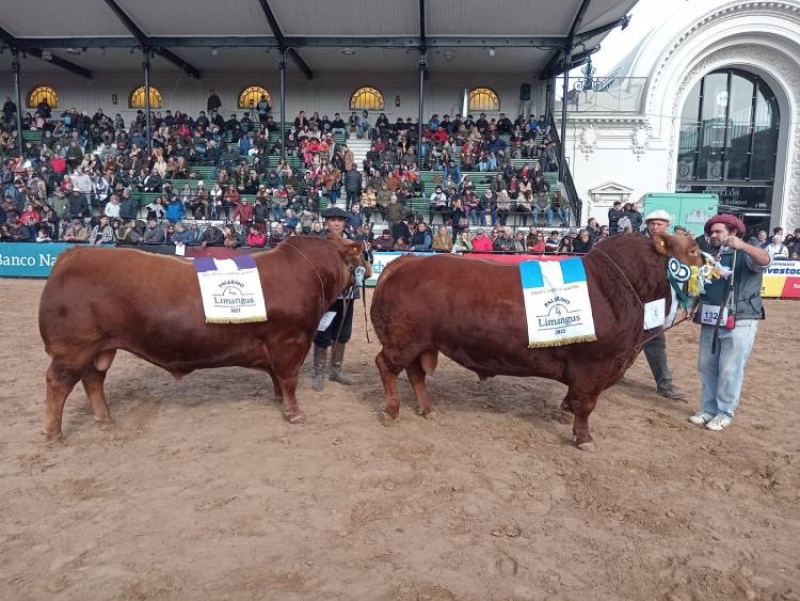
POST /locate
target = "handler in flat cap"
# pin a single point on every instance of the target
(655, 349)
(338, 331)
(730, 310)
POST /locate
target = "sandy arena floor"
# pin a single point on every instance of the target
(202, 491)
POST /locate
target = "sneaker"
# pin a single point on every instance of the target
(671, 392)
(701, 419)
(720, 422)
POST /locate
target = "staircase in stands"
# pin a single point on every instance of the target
(359, 148)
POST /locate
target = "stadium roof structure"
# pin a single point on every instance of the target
(537, 37)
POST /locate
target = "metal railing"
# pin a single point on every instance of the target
(575, 203)
(607, 95)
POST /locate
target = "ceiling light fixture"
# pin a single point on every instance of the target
(491, 51)
(348, 51)
(214, 52)
(47, 55)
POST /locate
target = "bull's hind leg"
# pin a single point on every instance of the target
(93, 380)
(416, 375)
(59, 384)
(389, 378)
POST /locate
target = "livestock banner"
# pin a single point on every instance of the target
(29, 259)
(782, 279)
(557, 305)
(231, 290)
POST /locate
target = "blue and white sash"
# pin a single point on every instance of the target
(557, 305)
(231, 290)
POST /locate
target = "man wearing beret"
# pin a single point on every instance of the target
(729, 313)
(342, 325)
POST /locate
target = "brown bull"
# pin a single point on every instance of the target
(100, 300)
(473, 312)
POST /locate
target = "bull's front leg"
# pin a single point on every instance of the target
(583, 405)
(288, 389)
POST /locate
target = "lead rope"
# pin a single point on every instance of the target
(321, 285)
(689, 315)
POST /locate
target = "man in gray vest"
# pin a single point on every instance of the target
(729, 313)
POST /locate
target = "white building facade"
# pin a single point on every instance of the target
(679, 117)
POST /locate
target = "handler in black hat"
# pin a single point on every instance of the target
(342, 325)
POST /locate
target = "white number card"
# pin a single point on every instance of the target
(709, 315)
(655, 313)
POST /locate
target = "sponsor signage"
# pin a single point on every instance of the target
(29, 260)
(782, 279)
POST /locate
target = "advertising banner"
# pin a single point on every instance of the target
(29, 260)
(782, 279)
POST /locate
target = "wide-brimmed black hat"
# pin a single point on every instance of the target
(334, 213)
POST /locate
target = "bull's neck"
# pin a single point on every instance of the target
(644, 273)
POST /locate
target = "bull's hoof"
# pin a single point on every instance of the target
(295, 418)
(428, 413)
(387, 419)
(53, 438)
(104, 424)
(589, 446)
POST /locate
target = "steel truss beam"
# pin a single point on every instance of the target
(11, 41)
(143, 40)
(281, 40)
(399, 42)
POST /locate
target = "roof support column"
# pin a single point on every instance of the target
(423, 66)
(18, 91)
(564, 93)
(146, 67)
(550, 96)
(282, 71)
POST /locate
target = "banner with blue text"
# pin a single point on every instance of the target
(29, 260)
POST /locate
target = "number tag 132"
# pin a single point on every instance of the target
(710, 314)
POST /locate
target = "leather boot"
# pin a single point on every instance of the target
(320, 361)
(336, 366)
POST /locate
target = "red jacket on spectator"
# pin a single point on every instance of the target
(245, 211)
(482, 243)
(440, 136)
(59, 164)
(256, 239)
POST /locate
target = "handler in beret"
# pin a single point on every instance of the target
(729, 313)
(342, 325)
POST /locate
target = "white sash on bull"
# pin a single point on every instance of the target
(231, 290)
(557, 305)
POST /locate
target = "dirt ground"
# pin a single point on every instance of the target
(202, 491)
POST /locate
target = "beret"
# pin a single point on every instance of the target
(334, 213)
(728, 220)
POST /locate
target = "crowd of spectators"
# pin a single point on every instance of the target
(89, 167)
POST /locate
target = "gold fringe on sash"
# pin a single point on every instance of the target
(562, 342)
(235, 320)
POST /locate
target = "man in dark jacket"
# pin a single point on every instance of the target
(352, 185)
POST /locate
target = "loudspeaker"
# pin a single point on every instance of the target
(525, 92)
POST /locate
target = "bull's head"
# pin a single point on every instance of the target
(355, 255)
(688, 269)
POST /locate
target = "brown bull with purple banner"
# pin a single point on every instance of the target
(474, 313)
(100, 300)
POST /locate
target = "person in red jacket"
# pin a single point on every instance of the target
(243, 210)
(256, 238)
(481, 242)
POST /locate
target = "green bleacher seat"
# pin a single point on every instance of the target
(32, 135)
(203, 172)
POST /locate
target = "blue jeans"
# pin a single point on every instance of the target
(722, 373)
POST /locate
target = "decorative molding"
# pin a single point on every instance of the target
(783, 69)
(587, 138)
(640, 140)
(784, 10)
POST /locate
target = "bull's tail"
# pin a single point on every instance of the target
(429, 360)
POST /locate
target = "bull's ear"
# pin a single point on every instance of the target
(663, 243)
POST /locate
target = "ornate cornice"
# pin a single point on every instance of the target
(781, 9)
(783, 69)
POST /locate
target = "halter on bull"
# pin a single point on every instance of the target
(100, 300)
(473, 312)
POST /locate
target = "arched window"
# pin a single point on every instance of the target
(136, 99)
(40, 93)
(483, 99)
(366, 99)
(250, 97)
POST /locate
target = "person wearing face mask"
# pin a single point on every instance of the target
(730, 311)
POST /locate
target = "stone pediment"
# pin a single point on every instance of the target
(610, 188)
